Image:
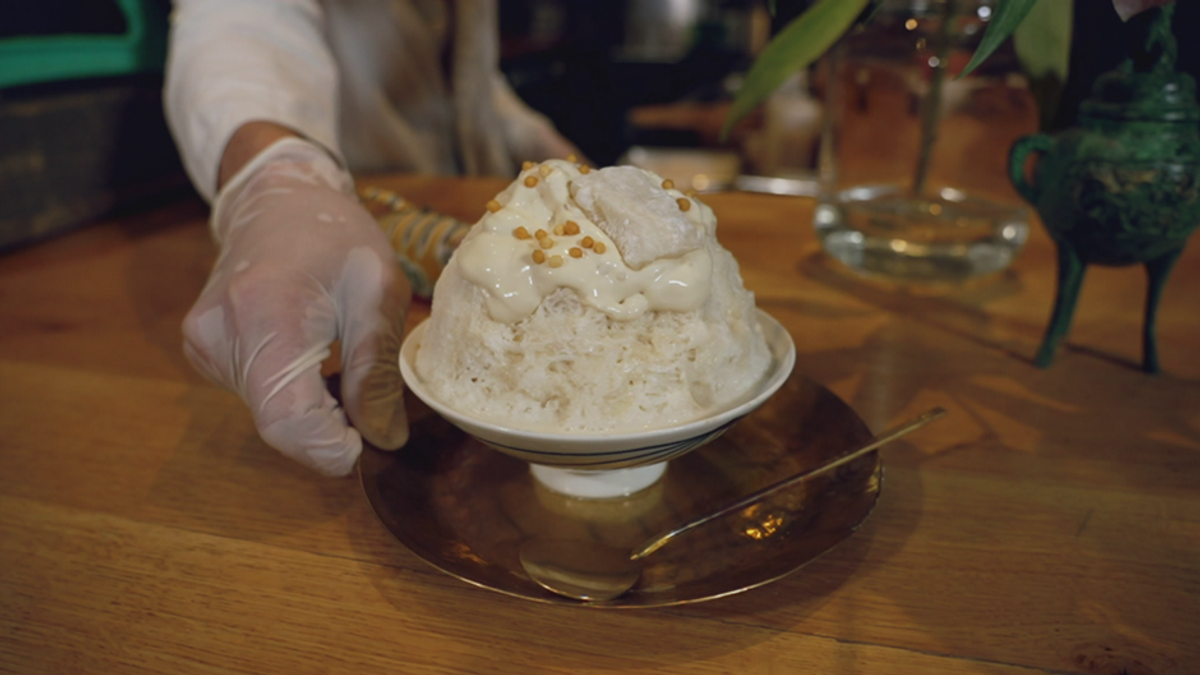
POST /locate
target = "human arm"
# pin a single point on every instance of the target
(301, 263)
(234, 63)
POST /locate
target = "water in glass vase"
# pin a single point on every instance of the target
(913, 160)
(949, 237)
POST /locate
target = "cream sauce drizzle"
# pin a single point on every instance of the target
(494, 259)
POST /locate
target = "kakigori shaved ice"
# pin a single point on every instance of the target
(592, 301)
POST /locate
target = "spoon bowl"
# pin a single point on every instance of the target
(583, 570)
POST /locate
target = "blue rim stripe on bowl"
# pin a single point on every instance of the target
(647, 455)
(616, 454)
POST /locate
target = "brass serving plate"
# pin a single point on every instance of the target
(465, 508)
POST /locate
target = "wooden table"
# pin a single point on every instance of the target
(1050, 525)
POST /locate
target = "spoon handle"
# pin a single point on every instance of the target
(888, 436)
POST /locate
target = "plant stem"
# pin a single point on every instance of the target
(931, 111)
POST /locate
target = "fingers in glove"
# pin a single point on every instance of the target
(303, 421)
(292, 408)
(266, 341)
(374, 308)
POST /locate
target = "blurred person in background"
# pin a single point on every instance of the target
(272, 103)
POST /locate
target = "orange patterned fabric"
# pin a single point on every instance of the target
(423, 240)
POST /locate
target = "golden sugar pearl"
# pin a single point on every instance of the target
(546, 242)
(545, 170)
(587, 242)
(521, 233)
(572, 158)
(599, 247)
(556, 261)
(530, 181)
(527, 165)
(585, 169)
(560, 230)
(668, 184)
(539, 256)
(683, 203)
(493, 206)
(576, 252)
(571, 227)
(541, 234)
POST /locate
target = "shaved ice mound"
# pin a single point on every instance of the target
(541, 322)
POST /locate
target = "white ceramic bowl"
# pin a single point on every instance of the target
(606, 464)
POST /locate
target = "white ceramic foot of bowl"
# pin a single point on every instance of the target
(598, 484)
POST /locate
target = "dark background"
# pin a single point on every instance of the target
(587, 93)
(71, 151)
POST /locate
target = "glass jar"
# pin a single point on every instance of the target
(913, 159)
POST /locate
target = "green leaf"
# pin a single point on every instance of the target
(1043, 46)
(800, 43)
(1009, 14)
(1043, 40)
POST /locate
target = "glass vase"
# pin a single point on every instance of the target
(913, 158)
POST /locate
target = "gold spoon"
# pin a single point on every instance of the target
(592, 571)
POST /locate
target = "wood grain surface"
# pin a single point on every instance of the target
(1051, 524)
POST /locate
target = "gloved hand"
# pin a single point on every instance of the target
(302, 264)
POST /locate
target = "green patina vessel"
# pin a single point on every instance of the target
(1123, 186)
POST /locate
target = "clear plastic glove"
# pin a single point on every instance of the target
(303, 264)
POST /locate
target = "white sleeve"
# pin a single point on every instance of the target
(528, 134)
(237, 61)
